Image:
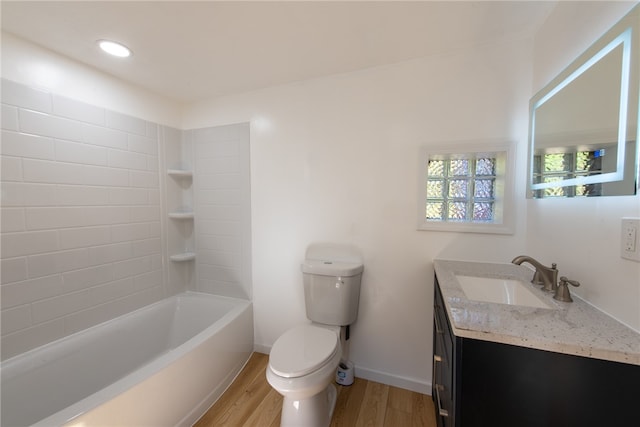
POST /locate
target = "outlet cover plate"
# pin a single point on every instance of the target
(630, 239)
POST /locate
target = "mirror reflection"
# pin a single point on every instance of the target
(583, 125)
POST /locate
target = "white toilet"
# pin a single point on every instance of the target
(303, 360)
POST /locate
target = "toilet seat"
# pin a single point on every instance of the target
(302, 350)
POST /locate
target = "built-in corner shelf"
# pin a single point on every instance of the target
(180, 173)
(181, 214)
(185, 256)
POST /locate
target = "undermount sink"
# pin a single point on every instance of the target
(501, 291)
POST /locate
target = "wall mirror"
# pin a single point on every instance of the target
(583, 126)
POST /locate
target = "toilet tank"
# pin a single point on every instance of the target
(331, 291)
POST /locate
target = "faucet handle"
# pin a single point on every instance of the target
(562, 292)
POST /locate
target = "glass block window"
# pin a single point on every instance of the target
(461, 188)
(466, 190)
(553, 167)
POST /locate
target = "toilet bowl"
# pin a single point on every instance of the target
(302, 365)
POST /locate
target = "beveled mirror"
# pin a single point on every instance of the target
(583, 126)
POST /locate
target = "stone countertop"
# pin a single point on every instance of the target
(572, 328)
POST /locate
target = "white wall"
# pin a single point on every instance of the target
(583, 235)
(34, 66)
(336, 159)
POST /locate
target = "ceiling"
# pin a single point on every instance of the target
(188, 51)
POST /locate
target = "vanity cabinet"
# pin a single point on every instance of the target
(484, 383)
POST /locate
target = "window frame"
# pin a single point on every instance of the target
(505, 177)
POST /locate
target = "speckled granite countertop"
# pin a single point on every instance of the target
(572, 328)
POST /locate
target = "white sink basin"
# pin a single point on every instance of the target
(501, 291)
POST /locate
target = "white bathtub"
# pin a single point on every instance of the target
(162, 365)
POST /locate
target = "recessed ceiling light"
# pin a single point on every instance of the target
(115, 49)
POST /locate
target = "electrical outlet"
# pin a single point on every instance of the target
(630, 239)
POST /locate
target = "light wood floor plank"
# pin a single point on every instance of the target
(267, 411)
(374, 405)
(251, 402)
(348, 404)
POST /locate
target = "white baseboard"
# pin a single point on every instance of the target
(264, 349)
(412, 384)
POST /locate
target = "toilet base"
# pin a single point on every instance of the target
(315, 411)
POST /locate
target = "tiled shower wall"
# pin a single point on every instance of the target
(81, 216)
(222, 209)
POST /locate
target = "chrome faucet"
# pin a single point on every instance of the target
(547, 277)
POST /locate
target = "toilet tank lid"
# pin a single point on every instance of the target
(331, 268)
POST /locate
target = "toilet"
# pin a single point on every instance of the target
(303, 360)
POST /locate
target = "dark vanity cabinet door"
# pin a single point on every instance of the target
(488, 384)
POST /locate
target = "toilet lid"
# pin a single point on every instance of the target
(302, 350)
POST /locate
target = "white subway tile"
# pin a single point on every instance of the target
(26, 97)
(81, 195)
(144, 213)
(13, 270)
(213, 272)
(51, 126)
(57, 262)
(25, 145)
(219, 258)
(154, 197)
(232, 244)
(219, 134)
(110, 253)
(225, 197)
(220, 212)
(213, 149)
(127, 160)
(73, 238)
(219, 181)
(75, 152)
(132, 267)
(128, 196)
(42, 265)
(110, 291)
(44, 171)
(152, 130)
(105, 137)
(142, 144)
(103, 215)
(126, 123)
(22, 194)
(226, 164)
(16, 318)
(147, 247)
(58, 306)
(156, 262)
(220, 228)
(9, 118)
(11, 169)
(54, 218)
(12, 219)
(155, 229)
(147, 280)
(96, 175)
(152, 164)
(129, 232)
(26, 339)
(27, 291)
(72, 109)
(72, 260)
(28, 243)
(143, 179)
(87, 277)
